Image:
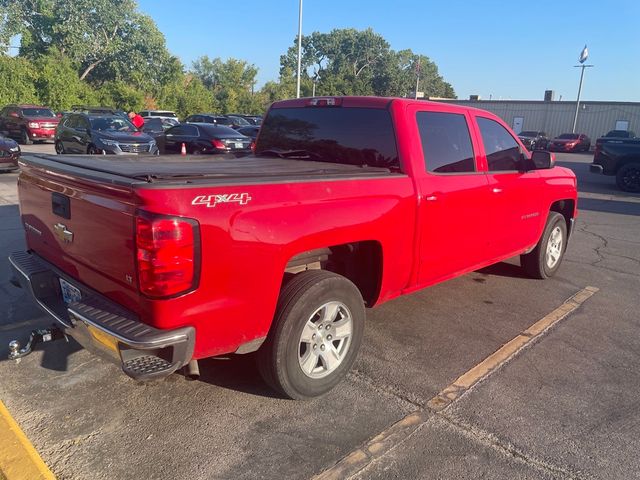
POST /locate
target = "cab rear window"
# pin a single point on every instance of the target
(354, 136)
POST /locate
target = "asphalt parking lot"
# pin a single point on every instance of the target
(565, 406)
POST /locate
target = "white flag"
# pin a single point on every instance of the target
(584, 55)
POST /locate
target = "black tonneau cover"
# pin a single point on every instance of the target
(216, 168)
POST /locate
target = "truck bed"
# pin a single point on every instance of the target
(212, 170)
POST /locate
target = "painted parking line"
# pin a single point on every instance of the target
(403, 429)
(18, 459)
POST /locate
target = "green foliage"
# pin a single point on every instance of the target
(107, 52)
(17, 81)
(353, 62)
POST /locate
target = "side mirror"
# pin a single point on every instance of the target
(542, 160)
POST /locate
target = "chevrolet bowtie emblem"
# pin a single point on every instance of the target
(62, 233)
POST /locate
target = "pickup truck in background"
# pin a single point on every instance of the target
(347, 203)
(620, 157)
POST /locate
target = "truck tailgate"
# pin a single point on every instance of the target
(86, 229)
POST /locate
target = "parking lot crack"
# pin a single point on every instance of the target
(508, 449)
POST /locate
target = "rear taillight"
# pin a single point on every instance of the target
(218, 144)
(167, 255)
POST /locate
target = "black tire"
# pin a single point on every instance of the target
(59, 148)
(92, 150)
(535, 263)
(303, 296)
(628, 177)
(24, 138)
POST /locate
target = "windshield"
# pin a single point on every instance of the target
(38, 112)
(239, 121)
(114, 124)
(355, 136)
(528, 134)
(568, 136)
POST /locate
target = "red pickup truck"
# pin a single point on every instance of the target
(347, 202)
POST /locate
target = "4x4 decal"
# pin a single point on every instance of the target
(213, 200)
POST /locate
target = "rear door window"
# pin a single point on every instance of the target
(446, 142)
(502, 150)
(348, 135)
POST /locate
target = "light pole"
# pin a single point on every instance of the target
(417, 77)
(583, 57)
(299, 49)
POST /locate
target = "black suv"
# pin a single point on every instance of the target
(97, 133)
(534, 140)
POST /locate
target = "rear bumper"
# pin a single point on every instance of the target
(102, 326)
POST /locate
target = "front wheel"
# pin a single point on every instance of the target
(59, 148)
(25, 139)
(315, 337)
(544, 260)
(628, 177)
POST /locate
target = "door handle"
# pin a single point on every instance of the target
(496, 190)
(431, 197)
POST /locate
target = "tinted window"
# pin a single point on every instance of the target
(568, 136)
(356, 136)
(183, 130)
(446, 143)
(152, 125)
(503, 152)
(529, 134)
(238, 120)
(115, 123)
(38, 112)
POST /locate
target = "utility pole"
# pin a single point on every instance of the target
(299, 49)
(583, 57)
(417, 77)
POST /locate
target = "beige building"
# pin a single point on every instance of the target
(594, 118)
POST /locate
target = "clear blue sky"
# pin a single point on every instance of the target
(509, 50)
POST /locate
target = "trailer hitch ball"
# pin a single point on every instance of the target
(41, 335)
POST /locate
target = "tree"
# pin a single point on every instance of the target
(352, 62)
(17, 81)
(92, 33)
(231, 82)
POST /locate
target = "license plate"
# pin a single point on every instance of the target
(69, 292)
(238, 145)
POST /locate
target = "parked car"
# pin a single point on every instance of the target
(28, 123)
(534, 140)
(94, 133)
(570, 142)
(251, 131)
(155, 128)
(201, 138)
(99, 110)
(9, 154)
(620, 134)
(252, 119)
(208, 118)
(167, 262)
(620, 157)
(164, 114)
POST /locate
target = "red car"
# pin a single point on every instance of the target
(570, 142)
(28, 123)
(347, 203)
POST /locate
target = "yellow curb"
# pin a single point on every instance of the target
(18, 459)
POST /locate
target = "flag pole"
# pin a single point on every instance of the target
(583, 57)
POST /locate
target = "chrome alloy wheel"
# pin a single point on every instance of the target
(325, 340)
(554, 247)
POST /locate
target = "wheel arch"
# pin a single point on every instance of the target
(566, 208)
(360, 262)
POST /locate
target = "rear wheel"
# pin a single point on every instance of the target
(24, 138)
(544, 260)
(92, 150)
(628, 177)
(315, 336)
